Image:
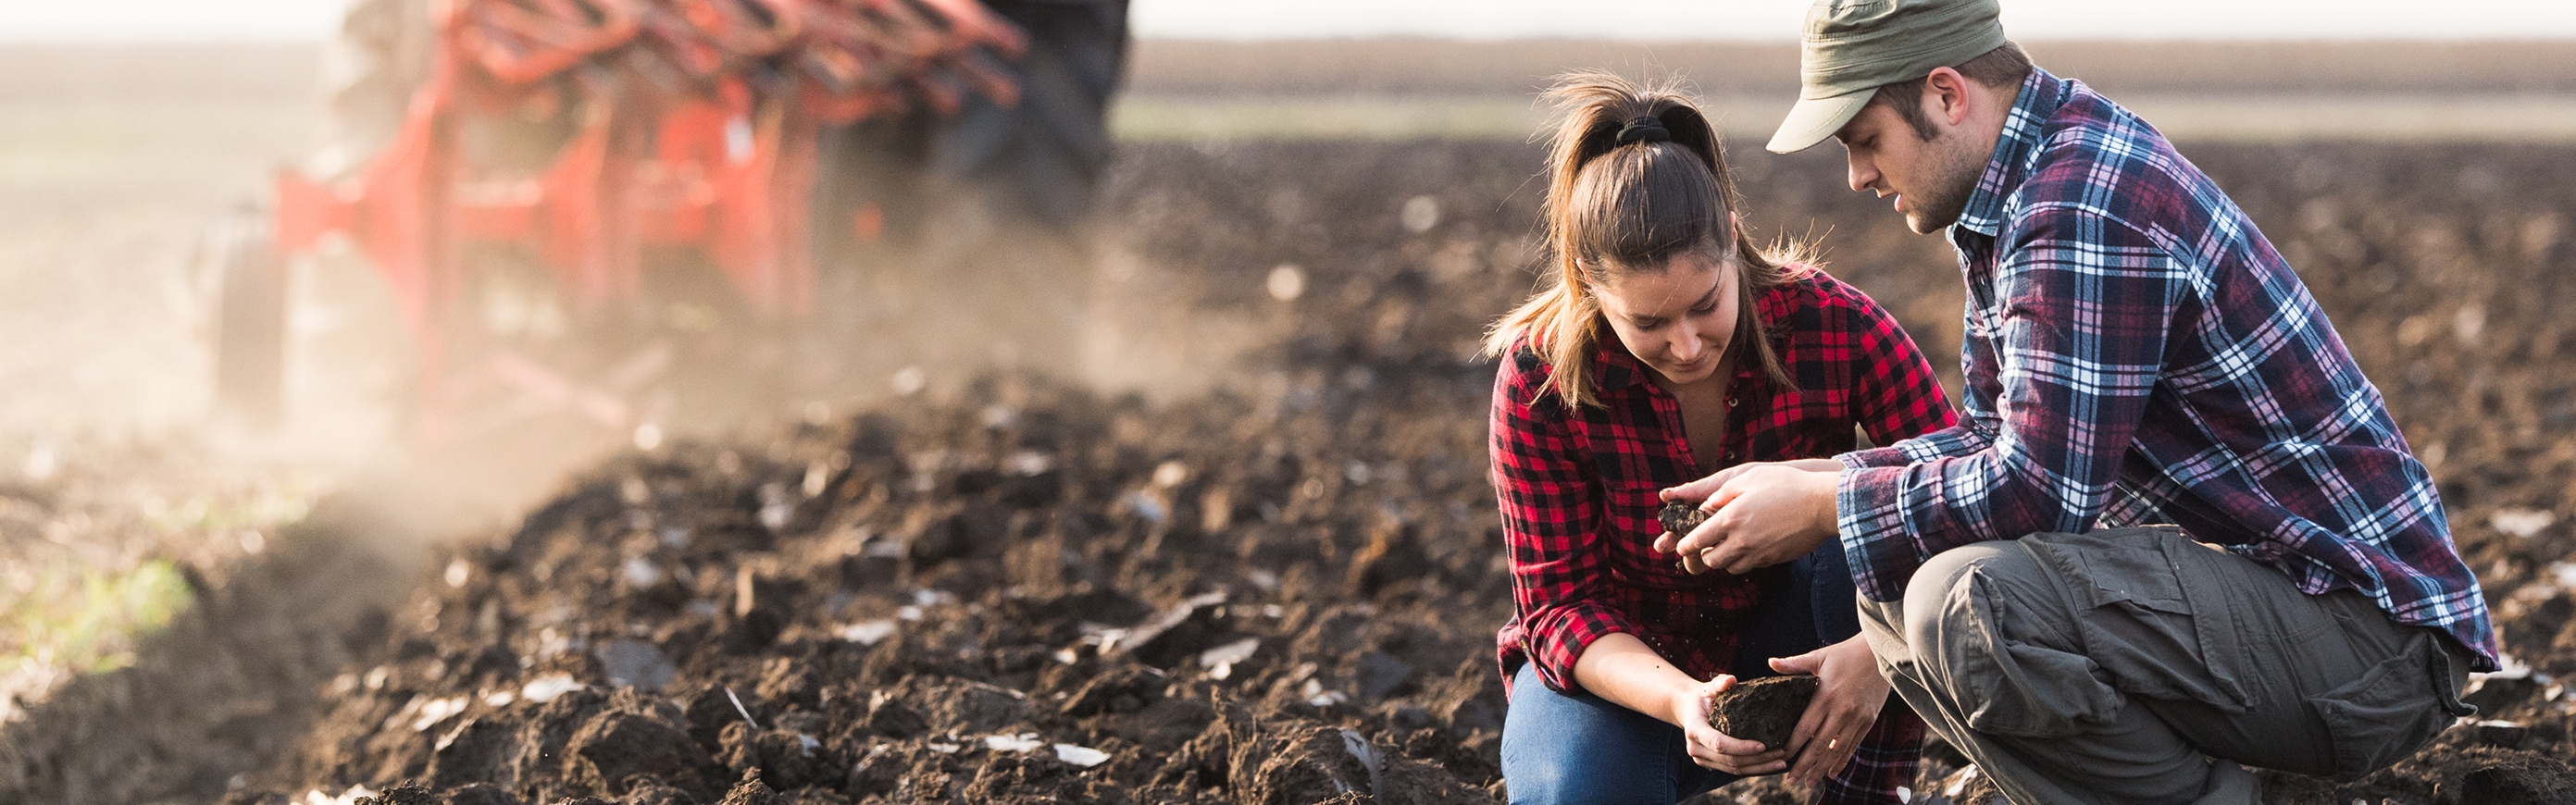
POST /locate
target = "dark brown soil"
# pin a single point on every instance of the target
(1764, 711)
(1679, 517)
(1283, 590)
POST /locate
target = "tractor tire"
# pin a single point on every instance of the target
(250, 322)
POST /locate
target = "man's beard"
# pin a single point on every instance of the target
(1945, 194)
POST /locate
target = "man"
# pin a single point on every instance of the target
(2136, 353)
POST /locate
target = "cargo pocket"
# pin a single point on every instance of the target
(2386, 714)
(2141, 624)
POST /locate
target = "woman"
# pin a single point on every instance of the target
(1668, 347)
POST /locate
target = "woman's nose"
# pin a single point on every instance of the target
(1686, 343)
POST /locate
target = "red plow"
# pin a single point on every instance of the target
(662, 127)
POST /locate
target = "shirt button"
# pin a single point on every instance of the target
(1730, 455)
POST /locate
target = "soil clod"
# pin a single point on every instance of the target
(1764, 710)
(1679, 517)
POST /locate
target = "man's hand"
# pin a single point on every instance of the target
(1760, 515)
(1848, 697)
(1717, 750)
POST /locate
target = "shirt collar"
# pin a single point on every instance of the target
(1616, 368)
(2041, 95)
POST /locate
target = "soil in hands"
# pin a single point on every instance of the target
(1764, 711)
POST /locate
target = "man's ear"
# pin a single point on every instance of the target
(1945, 97)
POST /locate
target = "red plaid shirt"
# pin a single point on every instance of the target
(1578, 491)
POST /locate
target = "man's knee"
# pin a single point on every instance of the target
(1941, 595)
(1983, 626)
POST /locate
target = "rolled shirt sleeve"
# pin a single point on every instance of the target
(1551, 509)
(2083, 308)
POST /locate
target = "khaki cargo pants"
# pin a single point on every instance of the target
(2135, 665)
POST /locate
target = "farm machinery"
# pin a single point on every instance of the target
(567, 201)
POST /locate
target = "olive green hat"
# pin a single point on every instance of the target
(1850, 47)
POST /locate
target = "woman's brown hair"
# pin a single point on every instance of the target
(1629, 204)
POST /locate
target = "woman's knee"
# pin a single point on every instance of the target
(1565, 768)
(1576, 748)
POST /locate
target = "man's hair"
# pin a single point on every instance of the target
(1998, 68)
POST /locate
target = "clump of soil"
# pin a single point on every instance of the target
(1679, 517)
(1764, 711)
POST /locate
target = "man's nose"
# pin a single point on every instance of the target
(1861, 173)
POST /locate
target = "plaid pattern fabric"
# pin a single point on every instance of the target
(1577, 488)
(2137, 353)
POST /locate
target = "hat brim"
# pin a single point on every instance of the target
(1814, 119)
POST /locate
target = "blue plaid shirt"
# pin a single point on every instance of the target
(2137, 353)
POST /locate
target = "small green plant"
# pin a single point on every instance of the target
(89, 620)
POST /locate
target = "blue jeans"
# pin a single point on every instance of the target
(1581, 748)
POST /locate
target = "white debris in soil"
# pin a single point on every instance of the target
(2521, 523)
(1029, 462)
(640, 573)
(2564, 574)
(818, 478)
(1420, 214)
(1146, 506)
(910, 380)
(1083, 756)
(1023, 742)
(355, 793)
(1318, 697)
(868, 633)
(546, 688)
(1961, 786)
(1220, 661)
(775, 506)
(431, 711)
(998, 416)
(1287, 282)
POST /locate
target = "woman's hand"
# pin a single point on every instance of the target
(1848, 697)
(1718, 750)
